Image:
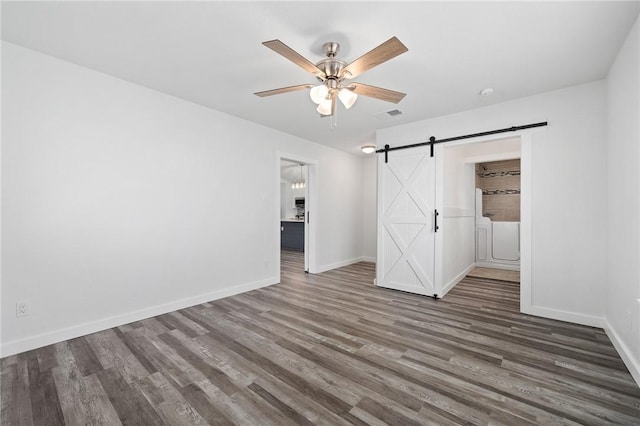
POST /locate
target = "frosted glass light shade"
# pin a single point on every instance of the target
(347, 97)
(324, 108)
(368, 149)
(318, 93)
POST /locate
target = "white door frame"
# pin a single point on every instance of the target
(526, 186)
(311, 207)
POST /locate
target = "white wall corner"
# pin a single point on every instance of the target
(33, 342)
(343, 263)
(632, 364)
(448, 286)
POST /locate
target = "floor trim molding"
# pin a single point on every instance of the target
(448, 286)
(343, 263)
(623, 350)
(567, 316)
(505, 267)
(33, 342)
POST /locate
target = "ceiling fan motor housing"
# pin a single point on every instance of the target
(331, 49)
(331, 66)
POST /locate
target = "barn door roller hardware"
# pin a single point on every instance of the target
(432, 140)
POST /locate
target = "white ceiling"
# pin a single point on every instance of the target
(210, 53)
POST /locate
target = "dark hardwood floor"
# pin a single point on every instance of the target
(329, 349)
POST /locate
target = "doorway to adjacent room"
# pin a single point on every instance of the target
(296, 239)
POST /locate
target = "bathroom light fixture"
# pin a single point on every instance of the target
(299, 183)
(368, 149)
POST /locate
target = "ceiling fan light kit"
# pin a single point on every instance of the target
(347, 97)
(324, 107)
(318, 93)
(333, 73)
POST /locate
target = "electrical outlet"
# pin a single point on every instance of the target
(22, 309)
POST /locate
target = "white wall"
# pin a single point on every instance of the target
(118, 203)
(502, 148)
(567, 190)
(623, 203)
(458, 216)
(369, 207)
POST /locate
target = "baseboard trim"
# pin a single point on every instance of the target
(566, 316)
(447, 287)
(33, 342)
(633, 365)
(343, 263)
(502, 266)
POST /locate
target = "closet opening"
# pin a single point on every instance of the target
(498, 218)
(482, 198)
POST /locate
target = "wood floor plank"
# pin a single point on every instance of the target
(113, 353)
(130, 404)
(217, 377)
(168, 401)
(330, 349)
(47, 358)
(68, 380)
(171, 364)
(388, 414)
(45, 404)
(84, 356)
(308, 407)
(15, 390)
(82, 399)
(295, 381)
(279, 405)
(99, 407)
(136, 350)
(205, 408)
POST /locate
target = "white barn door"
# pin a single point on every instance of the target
(406, 221)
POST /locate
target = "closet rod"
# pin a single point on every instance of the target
(432, 140)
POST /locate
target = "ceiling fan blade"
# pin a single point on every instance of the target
(283, 90)
(284, 50)
(377, 92)
(387, 50)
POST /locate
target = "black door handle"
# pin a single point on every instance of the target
(435, 220)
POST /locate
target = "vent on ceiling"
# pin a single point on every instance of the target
(387, 114)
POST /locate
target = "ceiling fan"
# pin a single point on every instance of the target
(334, 75)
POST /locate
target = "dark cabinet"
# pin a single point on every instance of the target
(292, 235)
